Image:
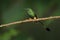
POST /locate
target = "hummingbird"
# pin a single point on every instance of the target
(31, 14)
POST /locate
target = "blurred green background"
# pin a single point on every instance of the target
(14, 10)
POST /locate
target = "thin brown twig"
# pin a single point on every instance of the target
(27, 20)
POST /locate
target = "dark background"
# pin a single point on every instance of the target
(14, 10)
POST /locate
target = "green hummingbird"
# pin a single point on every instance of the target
(31, 14)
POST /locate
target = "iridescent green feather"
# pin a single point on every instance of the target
(30, 12)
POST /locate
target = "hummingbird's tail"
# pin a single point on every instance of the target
(41, 22)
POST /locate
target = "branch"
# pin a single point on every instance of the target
(28, 20)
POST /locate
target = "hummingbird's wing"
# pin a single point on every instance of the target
(30, 12)
(30, 16)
